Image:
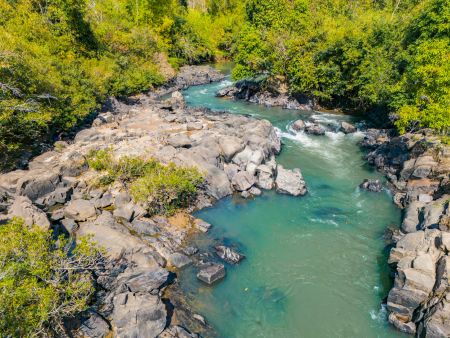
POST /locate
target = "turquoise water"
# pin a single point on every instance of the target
(316, 265)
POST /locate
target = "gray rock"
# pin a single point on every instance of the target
(290, 182)
(212, 273)
(179, 141)
(202, 225)
(73, 164)
(105, 201)
(230, 146)
(194, 126)
(177, 332)
(125, 212)
(145, 227)
(299, 125)
(243, 181)
(228, 254)
(58, 196)
(371, 185)
(179, 260)
(22, 207)
(255, 191)
(246, 194)
(80, 210)
(122, 199)
(37, 184)
(411, 219)
(138, 315)
(347, 128)
(315, 129)
(69, 225)
(147, 281)
(265, 177)
(95, 327)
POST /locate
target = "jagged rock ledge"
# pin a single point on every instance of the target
(138, 295)
(417, 167)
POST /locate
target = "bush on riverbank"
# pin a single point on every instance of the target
(43, 281)
(162, 188)
(385, 56)
(60, 59)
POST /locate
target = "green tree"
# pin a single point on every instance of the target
(42, 281)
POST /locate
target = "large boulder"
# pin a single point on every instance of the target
(347, 128)
(138, 315)
(299, 125)
(290, 182)
(37, 184)
(22, 207)
(243, 181)
(229, 146)
(315, 129)
(80, 210)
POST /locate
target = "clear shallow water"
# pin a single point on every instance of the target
(315, 265)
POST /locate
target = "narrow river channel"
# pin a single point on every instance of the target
(316, 265)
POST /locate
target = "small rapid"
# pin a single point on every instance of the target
(316, 265)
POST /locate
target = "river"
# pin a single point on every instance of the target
(315, 265)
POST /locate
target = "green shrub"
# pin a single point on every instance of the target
(162, 188)
(100, 159)
(42, 280)
(166, 188)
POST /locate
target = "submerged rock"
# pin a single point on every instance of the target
(212, 273)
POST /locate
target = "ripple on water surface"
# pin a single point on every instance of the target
(315, 265)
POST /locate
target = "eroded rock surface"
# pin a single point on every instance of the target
(417, 167)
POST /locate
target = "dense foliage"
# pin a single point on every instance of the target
(42, 281)
(386, 56)
(161, 188)
(59, 59)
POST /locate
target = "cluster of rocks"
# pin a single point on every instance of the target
(234, 153)
(417, 167)
(315, 128)
(257, 90)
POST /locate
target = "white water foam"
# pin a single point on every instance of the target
(379, 315)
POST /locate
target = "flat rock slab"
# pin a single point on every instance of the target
(212, 273)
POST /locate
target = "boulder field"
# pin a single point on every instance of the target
(137, 294)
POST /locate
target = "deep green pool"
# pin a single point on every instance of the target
(316, 265)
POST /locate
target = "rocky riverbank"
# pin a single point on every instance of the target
(270, 94)
(417, 167)
(137, 293)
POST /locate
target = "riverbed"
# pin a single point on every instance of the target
(315, 265)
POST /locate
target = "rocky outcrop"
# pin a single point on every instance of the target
(417, 167)
(235, 154)
(261, 90)
(191, 76)
(371, 185)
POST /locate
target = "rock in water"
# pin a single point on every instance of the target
(315, 129)
(371, 185)
(290, 182)
(299, 125)
(347, 128)
(212, 273)
(228, 254)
